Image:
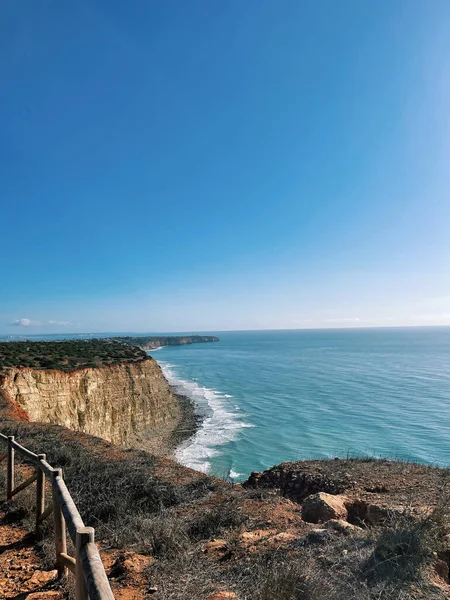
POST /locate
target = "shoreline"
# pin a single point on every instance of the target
(165, 440)
(189, 422)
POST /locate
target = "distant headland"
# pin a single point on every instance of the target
(146, 342)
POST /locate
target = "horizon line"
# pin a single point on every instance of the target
(199, 331)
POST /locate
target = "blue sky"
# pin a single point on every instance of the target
(206, 165)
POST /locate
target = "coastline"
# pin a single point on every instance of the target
(188, 424)
(166, 440)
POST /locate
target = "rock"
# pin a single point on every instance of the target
(136, 563)
(40, 578)
(222, 596)
(293, 482)
(249, 538)
(45, 596)
(282, 538)
(341, 525)
(128, 564)
(323, 507)
(266, 537)
(441, 568)
(217, 549)
(252, 481)
(379, 515)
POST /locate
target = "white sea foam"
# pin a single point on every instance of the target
(234, 474)
(220, 425)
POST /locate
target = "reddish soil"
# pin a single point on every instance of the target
(22, 572)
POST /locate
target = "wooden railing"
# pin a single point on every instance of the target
(91, 581)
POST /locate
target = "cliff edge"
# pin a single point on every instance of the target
(118, 403)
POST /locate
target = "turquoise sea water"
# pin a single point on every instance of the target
(272, 396)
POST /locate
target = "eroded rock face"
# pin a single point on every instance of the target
(113, 402)
(322, 507)
(293, 482)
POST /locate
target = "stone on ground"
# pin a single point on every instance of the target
(341, 525)
(322, 507)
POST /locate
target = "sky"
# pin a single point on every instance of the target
(206, 165)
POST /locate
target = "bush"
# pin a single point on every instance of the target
(405, 544)
(67, 355)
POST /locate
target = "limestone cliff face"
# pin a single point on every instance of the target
(116, 402)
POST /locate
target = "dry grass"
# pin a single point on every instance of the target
(216, 521)
(133, 507)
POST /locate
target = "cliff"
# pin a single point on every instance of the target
(151, 342)
(117, 403)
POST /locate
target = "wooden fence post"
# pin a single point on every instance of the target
(10, 468)
(60, 527)
(40, 493)
(84, 535)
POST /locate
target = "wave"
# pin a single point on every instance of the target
(220, 424)
(234, 474)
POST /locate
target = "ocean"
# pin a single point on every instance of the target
(273, 396)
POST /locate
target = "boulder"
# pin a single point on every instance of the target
(322, 507)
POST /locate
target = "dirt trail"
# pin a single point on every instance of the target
(22, 572)
(24, 575)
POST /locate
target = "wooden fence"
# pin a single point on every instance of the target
(91, 582)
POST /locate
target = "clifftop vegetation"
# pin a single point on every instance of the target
(68, 355)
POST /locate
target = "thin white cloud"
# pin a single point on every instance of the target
(431, 317)
(32, 323)
(25, 323)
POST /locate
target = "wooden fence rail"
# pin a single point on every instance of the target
(91, 582)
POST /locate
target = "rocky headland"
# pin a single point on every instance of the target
(152, 342)
(123, 397)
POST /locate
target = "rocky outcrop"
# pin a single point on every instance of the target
(116, 402)
(321, 507)
(294, 481)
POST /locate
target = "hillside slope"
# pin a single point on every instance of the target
(172, 533)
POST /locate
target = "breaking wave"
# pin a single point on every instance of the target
(221, 423)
